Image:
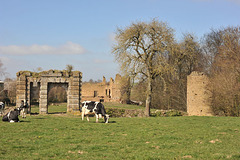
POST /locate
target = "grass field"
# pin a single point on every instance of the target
(62, 108)
(66, 136)
(51, 109)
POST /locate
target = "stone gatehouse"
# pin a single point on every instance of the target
(103, 91)
(30, 84)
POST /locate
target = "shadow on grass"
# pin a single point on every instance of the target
(112, 122)
(25, 121)
(57, 113)
(108, 122)
(34, 113)
(49, 113)
(100, 122)
(39, 118)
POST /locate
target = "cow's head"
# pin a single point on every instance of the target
(18, 110)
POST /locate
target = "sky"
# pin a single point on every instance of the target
(52, 34)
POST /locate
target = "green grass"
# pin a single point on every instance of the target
(68, 137)
(62, 108)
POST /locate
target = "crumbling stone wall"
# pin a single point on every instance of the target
(198, 95)
(104, 91)
(28, 82)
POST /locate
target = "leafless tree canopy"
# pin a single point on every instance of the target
(145, 48)
(149, 52)
(224, 46)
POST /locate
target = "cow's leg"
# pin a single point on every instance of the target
(96, 118)
(83, 111)
(106, 117)
(87, 118)
(21, 113)
(24, 113)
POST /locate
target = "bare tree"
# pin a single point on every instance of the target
(69, 68)
(57, 94)
(143, 48)
(39, 69)
(10, 85)
(125, 89)
(225, 70)
(2, 70)
(186, 57)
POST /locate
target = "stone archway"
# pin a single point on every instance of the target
(26, 81)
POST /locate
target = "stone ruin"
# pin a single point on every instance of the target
(198, 95)
(30, 84)
(37, 85)
(103, 91)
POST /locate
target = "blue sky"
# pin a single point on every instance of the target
(53, 33)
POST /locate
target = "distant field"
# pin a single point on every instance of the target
(65, 136)
(62, 108)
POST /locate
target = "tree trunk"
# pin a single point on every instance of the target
(149, 97)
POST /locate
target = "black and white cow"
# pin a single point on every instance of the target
(92, 107)
(12, 116)
(2, 106)
(24, 108)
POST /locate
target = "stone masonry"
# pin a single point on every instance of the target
(103, 91)
(28, 82)
(198, 95)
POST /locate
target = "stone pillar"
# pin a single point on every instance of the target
(21, 93)
(74, 93)
(28, 95)
(43, 106)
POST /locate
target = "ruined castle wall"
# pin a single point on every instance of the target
(108, 92)
(198, 95)
(116, 88)
(89, 88)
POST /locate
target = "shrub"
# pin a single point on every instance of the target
(115, 112)
(166, 113)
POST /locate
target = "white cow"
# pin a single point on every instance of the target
(24, 108)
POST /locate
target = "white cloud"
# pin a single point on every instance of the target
(67, 48)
